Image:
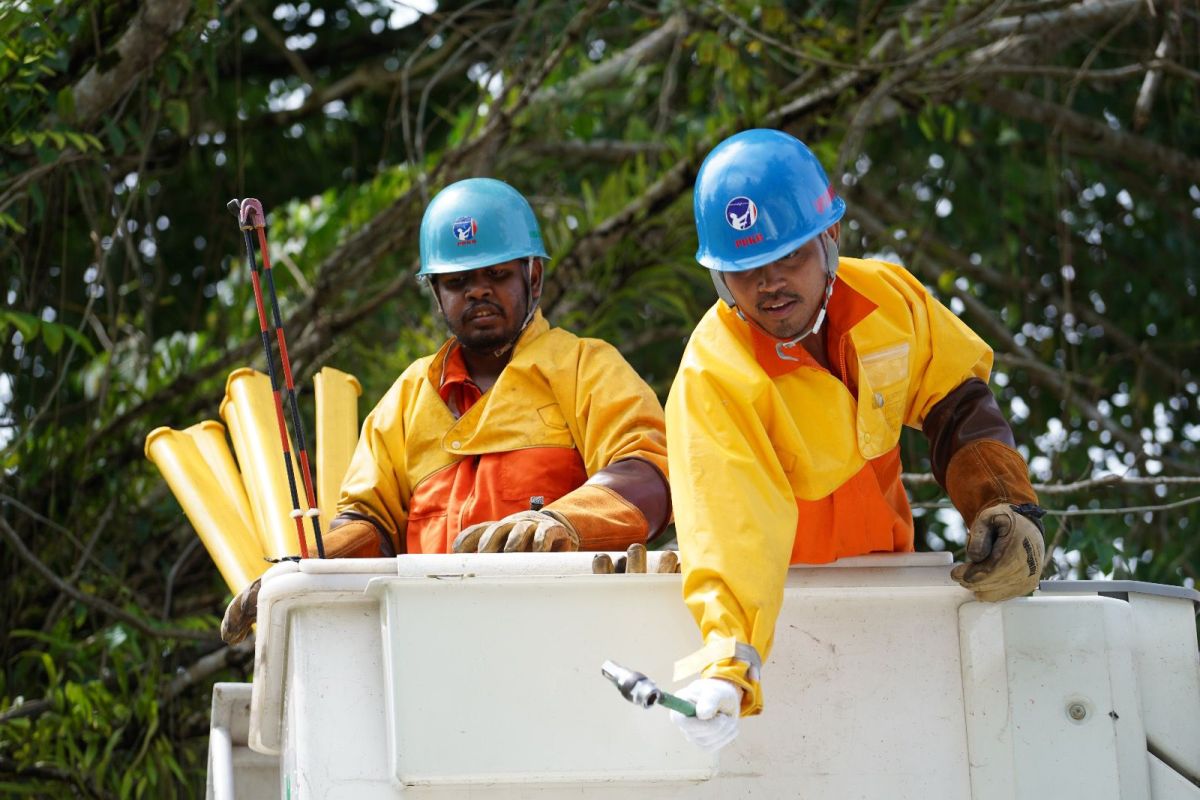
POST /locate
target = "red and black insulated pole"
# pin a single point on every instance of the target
(251, 218)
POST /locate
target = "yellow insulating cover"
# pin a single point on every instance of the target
(249, 411)
(209, 437)
(230, 543)
(337, 434)
(249, 480)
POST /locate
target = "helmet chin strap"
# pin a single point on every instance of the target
(531, 304)
(830, 248)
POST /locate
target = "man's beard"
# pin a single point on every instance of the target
(484, 342)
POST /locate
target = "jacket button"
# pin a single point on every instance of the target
(866, 437)
(878, 399)
(456, 444)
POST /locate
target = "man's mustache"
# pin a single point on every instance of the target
(776, 299)
(474, 308)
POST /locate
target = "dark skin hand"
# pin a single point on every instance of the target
(484, 309)
(784, 296)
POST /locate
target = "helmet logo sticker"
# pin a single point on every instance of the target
(464, 229)
(741, 213)
(825, 199)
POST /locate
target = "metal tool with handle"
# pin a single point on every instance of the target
(641, 691)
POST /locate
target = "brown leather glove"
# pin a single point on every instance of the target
(241, 614)
(1005, 552)
(523, 532)
(352, 537)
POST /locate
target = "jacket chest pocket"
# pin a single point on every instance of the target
(882, 398)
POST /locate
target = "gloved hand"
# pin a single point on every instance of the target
(718, 706)
(241, 614)
(1005, 552)
(523, 532)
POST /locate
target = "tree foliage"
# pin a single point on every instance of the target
(1034, 163)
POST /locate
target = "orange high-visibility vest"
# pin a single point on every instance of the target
(562, 409)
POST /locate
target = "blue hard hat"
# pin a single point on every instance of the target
(760, 195)
(477, 223)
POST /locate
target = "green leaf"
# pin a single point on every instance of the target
(8, 221)
(948, 125)
(115, 137)
(1008, 135)
(172, 75)
(177, 113)
(27, 324)
(65, 103)
(59, 140)
(52, 335)
(926, 125)
(78, 141)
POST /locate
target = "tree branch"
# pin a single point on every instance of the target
(136, 51)
(1116, 144)
(92, 601)
(612, 70)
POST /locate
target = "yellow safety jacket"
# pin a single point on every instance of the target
(760, 451)
(562, 409)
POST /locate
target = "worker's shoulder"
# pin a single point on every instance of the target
(719, 352)
(872, 276)
(567, 345)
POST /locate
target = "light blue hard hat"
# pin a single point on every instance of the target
(760, 195)
(477, 223)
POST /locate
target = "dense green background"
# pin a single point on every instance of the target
(1035, 163)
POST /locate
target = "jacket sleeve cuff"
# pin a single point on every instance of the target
(738, 673)
(603, 519)
(731, 660)
(353, 537)
(986, 472)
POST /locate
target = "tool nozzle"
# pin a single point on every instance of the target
(633, 686)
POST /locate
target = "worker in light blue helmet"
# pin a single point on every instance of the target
(478, 223)
(784, 420)
(514, 435)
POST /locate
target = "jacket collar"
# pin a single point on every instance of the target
(847, 308)
(437, 367)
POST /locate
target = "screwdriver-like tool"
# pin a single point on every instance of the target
(641, 691)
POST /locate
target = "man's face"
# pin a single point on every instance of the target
(783, 296)
(484, 308)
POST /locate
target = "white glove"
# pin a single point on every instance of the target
(718, 705)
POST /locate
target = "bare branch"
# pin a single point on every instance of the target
(612, 70)
(136, 51)
(276, 38)
(92, 601)
(1150, 84)
(927, 479)
(1072, 17)
(603, 149)
(1117, 144)
(209, 665)
(1090, 512)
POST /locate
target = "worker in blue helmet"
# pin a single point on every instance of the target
(513, 436)
(507, 410)
(784, 420)
(452, 241)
